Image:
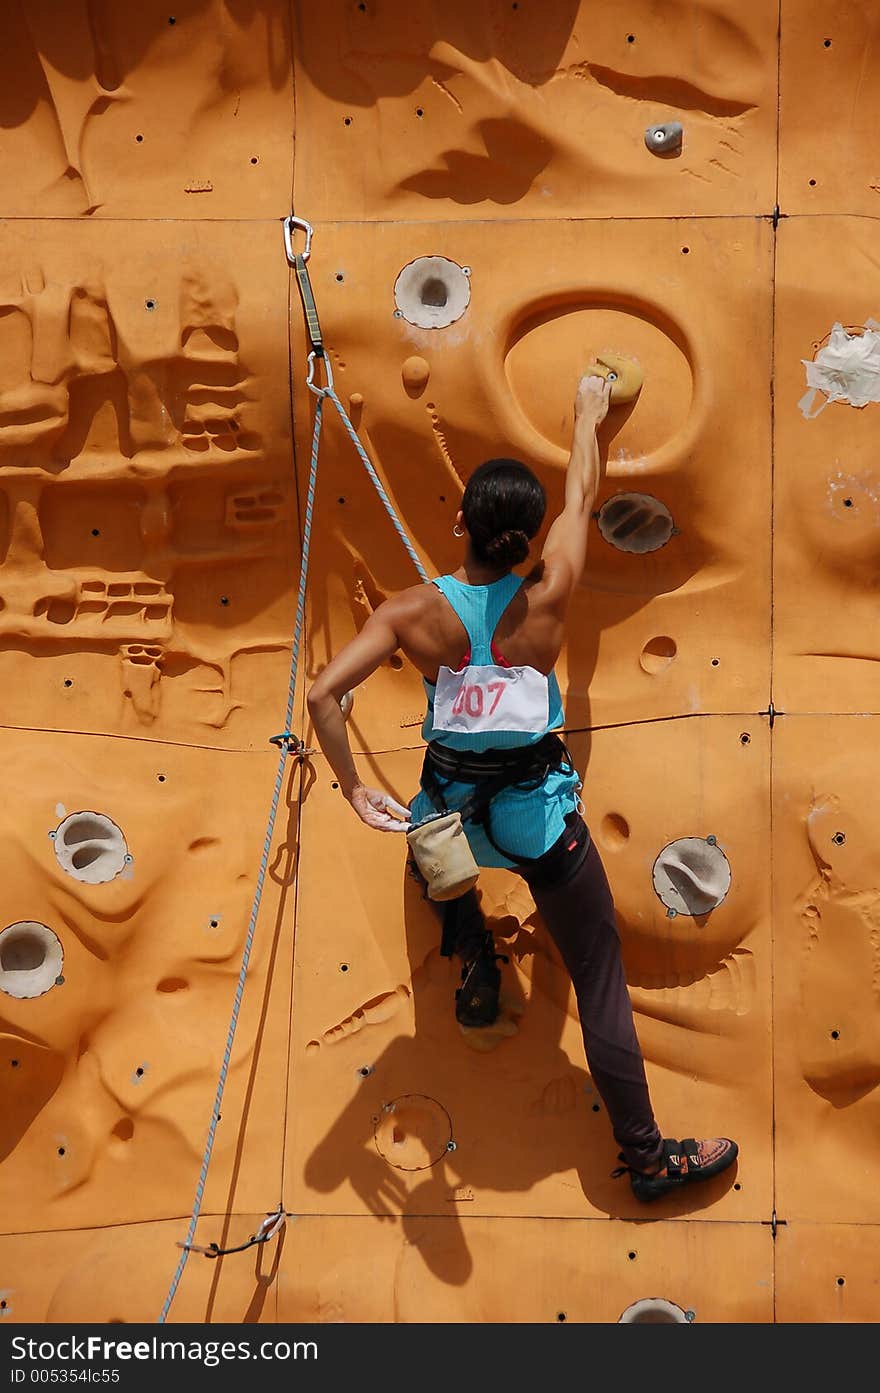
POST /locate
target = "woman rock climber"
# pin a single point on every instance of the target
(485, 641)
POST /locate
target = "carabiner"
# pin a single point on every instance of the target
(310, 380)
(289, 224)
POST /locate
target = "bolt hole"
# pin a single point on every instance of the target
(685, 250)
(715, 662)
(560, 1315)
(596, 1108)
(847, 503)
(14, 1063)
(215, 923)
(140, 1071)
(346, 120)
(161, 778)
(827, 43)
(365, 1071)
(171, 19)
(812, 183)
(737, 1185)
(745, 738)
(343, 967)
(419, 111)
(340, 500)
(2, 1305)
(340, 276)
(68, 681)
(96, 531)
(835, 1034)
(149, 304)
(334, 785)
(839, 838)
(61, 1151)
(841, 1281)
(224, 599)
(139, 138)
(443, 498)
(255, 159)
(362, 7)
(630, 38)
(631, 1255)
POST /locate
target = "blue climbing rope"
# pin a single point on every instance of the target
(264, 861)
(286, 741)
(377, 483)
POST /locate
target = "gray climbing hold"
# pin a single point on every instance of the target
(664, 139)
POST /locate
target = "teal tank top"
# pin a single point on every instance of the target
(525, 822)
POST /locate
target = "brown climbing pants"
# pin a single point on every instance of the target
(574, 899)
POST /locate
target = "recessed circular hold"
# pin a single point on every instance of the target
(635, 522)
(90, 848)
(664, 139)
(654, 1310)
(691, 875)
(31, 959)
(432, 292)
(413, 1132)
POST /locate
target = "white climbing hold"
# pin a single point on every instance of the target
(846, 369)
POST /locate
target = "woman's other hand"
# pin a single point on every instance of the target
(379, 810)
(591, 401)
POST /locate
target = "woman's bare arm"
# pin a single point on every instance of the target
(376, 642)
(565, 548)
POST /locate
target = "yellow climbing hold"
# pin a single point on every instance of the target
(628, 376)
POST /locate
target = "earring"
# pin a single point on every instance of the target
(457, 531)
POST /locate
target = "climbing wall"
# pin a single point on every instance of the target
(498, 191)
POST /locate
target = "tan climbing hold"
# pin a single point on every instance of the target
(415, 373)
(627, 376)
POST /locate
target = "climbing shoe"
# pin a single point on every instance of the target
(681, 1164)
(476, 1000)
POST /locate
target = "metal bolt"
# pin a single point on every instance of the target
(450, 1146)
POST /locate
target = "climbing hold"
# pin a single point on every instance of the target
(691, 875)
(635, 522)
(664, 139)
(90, 848)
(655, 1310)
(432, 292)
(346, 702)
(31, 959)
(415, 373)
(624, 373)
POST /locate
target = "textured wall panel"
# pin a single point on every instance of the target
(145, 474)
(432, 1269)
(827, 960)
(493, 110)
(109, 1077)
(827, 484)
(150, 111)
(681, 628)
(529, 1133)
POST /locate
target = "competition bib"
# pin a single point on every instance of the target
(483, 698)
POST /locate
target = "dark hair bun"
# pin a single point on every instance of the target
(509, 548)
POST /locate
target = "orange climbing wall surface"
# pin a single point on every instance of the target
(720, 677)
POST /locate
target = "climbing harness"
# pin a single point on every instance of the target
(286, 742)
(525, 767)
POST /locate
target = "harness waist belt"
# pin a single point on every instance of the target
(525, 762)
(491, 771)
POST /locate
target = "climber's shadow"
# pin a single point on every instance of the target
(520, 1115)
